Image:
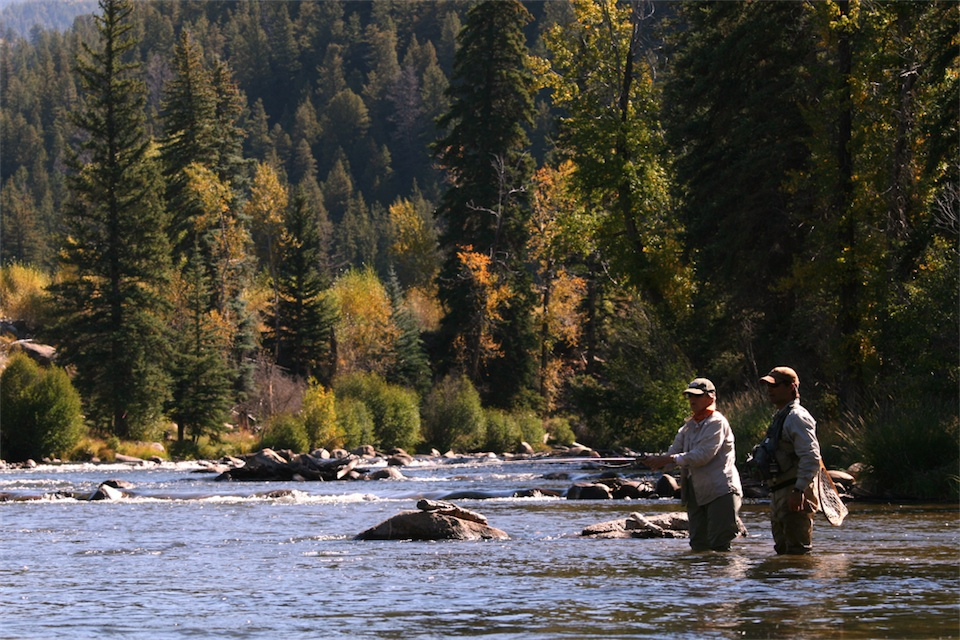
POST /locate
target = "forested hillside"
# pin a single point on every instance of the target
(22, 18)
(517, 218)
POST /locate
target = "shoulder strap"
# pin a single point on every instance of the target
(776, 427)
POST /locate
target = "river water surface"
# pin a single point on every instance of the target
(191, 557)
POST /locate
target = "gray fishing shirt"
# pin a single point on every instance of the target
(705, 451)
(798, 452)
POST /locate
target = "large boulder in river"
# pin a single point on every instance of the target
(434, 521)
(387, 473)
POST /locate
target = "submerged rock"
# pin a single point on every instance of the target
(106, 492)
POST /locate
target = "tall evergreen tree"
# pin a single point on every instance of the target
(485, 207)
(189, 134)
(303, 314)
(201, 390)
(112, 299)
(230, 105)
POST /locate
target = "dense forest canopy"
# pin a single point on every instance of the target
(576, 206)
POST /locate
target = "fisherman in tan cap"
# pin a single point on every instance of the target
(794, 498)
(704, 451)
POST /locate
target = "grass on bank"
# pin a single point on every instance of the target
(230, 443)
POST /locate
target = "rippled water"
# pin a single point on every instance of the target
(194, 557)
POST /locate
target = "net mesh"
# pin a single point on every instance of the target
(830, 502)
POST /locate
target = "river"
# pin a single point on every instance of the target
(191, 557)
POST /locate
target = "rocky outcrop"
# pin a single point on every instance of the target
(434, 521)
(636, 525)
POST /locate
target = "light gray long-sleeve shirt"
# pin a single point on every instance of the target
(705, 450)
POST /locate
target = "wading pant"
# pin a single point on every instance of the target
(712, 525)
(792, 530)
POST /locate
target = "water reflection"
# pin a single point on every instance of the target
(816, 566)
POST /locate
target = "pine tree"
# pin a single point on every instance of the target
(189, 134)
(19, 224)
(201, 390)
(486, 207)
(230, 105)
(356, 236)
(112, 299)
(303, 315)
(202, 152)
(259, 144)
(410, 366)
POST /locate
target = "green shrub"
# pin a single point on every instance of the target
(636, 399)
(397, 418)
(395, 410)
(40, 411)
(453, 418)
(502, 432)
(531, 428)
(319, 416)
(184, 450)
(355, 421)
(286, 431)
(560, 431)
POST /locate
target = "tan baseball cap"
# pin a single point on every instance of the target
(779, 375)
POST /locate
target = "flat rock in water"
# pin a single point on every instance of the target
(636, 525)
